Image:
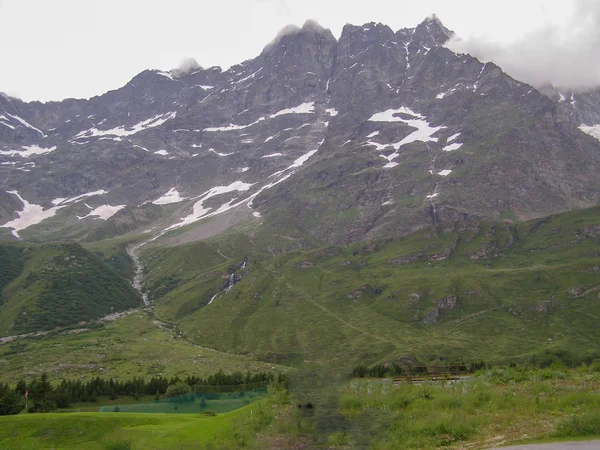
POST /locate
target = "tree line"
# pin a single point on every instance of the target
(541, 360)
(43, 396)
(395, 370)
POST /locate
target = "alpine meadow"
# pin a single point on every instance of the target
(363, 241)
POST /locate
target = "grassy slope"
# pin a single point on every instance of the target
(56, 285)
(101, 430)
(269, 423)
(507, 307)
(492, 409)
(134, 345)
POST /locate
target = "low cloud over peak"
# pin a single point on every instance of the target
(565, 55)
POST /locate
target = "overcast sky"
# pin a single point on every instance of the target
(53, 49)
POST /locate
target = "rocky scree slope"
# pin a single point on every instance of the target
(372, 135)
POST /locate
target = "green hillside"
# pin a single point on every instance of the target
(492, 290)
(49, 285)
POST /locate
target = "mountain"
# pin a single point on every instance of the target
(57, 284)
(579, 107)
(373, 135)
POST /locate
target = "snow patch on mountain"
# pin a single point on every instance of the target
(451, 147)
(65, 201)
(127, 130)
(31, 214)
(453, 137)
(199, 211)
(4, 121)
(161, 152)
(162, 73)
(593, 130)
(172, 196)
(212, 150)
(248, 77)
(304, 108)
(232, 127)
(390, 115)
(26, 124)
(423, 133)
(272, 155)
(445, 173)
(28, 151)
(103, 212)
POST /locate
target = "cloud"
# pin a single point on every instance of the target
(310, 26)
(283, 8)
(565, 55)
(186, 66)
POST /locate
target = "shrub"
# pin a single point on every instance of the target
(587, 424)
(10, 403)
(178, 389)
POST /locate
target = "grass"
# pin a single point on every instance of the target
(135, 345)
(510, 306)
(114, 430)
(59, 284)
(361, 304)
(269, 423)
(493, 408)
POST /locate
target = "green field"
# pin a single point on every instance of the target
(265, 424)
(492, 291)
(494, 408)
(496, 292)
(132, 346)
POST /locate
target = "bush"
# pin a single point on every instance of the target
(10, 403)
(178, 389)
(587, 424)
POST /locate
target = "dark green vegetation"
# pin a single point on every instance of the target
(49, 285)
(45, 396)
(10, 401)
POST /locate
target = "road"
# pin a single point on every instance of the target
(582, 445)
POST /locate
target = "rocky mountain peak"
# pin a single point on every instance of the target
(432, 32)
(293, 36)
(383, 132)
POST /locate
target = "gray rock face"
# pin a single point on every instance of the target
(373, 135)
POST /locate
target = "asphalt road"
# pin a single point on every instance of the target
(583, 445)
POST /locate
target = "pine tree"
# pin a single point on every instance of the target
(42, 394)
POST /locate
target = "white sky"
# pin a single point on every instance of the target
(53, 49)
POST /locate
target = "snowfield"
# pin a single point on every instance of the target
(28, 151)
(593, 131)
(126, 130)
(172, 196)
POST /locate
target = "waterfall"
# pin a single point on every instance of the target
(138, 273)
(231, 282)
(213, 297)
